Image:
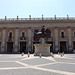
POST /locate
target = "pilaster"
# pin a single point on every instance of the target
(16, 46)
(29, 39)
(56, 40)
(69, 39)
(3, 44)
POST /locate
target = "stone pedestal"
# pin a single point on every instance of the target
(44, 49)
(42, 40)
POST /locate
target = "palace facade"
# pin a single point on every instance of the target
(17, 35)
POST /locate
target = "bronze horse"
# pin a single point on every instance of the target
(42, 34)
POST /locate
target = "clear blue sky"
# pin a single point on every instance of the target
(35, 8)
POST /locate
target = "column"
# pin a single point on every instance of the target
(32, 40)
(56, 40)
(69, 39)
(29, 39)
(16, 46)
(3, 44)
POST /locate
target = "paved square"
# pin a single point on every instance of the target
(15, 64)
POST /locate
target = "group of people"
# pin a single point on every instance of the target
(69, 51)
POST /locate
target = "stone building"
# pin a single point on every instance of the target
(17, 34)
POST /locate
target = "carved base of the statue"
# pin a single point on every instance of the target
(44, 49)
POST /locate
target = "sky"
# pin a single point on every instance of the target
(35, 8)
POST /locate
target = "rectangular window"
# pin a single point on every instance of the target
(10, 35)
(23, 34)
(62, 35)
(50, 35)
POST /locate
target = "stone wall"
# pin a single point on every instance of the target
(56, 26)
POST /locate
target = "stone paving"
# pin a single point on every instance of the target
(15, 64)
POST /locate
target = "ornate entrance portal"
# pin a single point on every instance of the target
(23, 47)
(74, 45)
(63, 46)
(9, 47)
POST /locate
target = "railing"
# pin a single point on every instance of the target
(22, 38)
(50, 39)
(63, 39)
(28, 19)
(10, 39)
